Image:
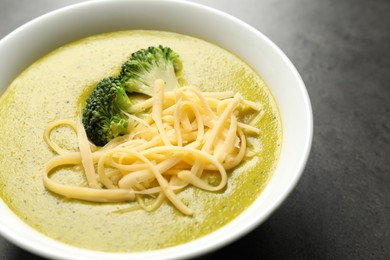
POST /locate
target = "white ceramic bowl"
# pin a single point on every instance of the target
(48, 32)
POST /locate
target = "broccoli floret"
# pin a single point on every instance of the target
(103, 118)
(146, 65)
(103, 115)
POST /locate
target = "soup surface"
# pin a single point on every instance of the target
(56, 86)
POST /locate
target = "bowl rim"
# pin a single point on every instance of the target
(208, 242)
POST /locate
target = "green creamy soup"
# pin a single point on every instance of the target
(56, 86)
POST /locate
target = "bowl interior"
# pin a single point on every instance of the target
(46, 33)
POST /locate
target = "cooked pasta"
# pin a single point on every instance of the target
(187, 133)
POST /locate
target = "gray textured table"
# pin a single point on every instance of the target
(340, 209)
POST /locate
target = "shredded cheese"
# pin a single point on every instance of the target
(187, 132)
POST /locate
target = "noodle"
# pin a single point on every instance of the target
(187, 132)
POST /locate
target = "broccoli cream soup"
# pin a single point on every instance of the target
(57, 87)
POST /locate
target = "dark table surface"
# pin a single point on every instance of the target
(340, 208)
